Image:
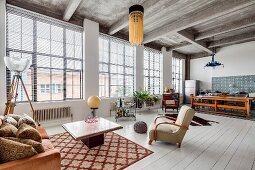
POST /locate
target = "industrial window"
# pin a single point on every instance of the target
(55, 49)
(153, 71)
(116, 67)
(177, 74)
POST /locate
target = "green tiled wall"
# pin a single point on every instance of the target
(234, 84)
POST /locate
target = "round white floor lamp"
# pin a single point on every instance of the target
(18, 66)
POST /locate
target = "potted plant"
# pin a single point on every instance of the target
(140, 97)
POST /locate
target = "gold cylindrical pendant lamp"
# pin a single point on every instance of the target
(136, 13)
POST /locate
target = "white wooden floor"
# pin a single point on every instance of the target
(227, 145)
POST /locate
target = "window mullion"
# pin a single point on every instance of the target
(109, 66)
(124, 70)
(34, 63)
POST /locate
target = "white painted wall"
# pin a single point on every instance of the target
(139, 67)
(237, 59)
(167, 68)
(91, 71)
(197, 72)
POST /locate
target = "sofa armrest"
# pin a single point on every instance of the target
(46, 160)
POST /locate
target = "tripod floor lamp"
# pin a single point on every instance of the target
(16, 65)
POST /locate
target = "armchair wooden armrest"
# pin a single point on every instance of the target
(170, 123)
(168, 117)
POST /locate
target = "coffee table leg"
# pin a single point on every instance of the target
(94, 141)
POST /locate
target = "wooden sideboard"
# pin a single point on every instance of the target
(237, 106)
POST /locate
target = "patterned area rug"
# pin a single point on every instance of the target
(116, 153)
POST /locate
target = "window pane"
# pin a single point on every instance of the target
(57, 85)
(43, 61)
(104, 84)
(129, 70)
(43, 45)
(78, 51)
(73, 85)
(76, 85)
(69, 50)
(57, 48)
(69, 85)
(43, 78)
(56, 33)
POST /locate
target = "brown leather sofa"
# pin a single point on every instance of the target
(48, 160)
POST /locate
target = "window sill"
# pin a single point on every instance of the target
(51, 101)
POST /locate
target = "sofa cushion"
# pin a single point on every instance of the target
(15, 116)
(11, 120)
(8, 130)
(11, 150)
(27, 132)
(26, 119)
(36, 145)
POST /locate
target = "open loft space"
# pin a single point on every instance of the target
(134, 84)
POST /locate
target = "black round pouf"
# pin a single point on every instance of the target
(140, 127)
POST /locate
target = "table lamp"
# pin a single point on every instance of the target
(94, 103)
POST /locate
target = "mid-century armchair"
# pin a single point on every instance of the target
(169, 131)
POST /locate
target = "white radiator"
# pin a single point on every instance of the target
(53, 114)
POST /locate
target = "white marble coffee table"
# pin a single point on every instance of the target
(91, 134)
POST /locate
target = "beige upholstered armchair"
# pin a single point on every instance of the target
(164, 129)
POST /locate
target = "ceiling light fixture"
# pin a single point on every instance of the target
(213, 63)
(136, 13)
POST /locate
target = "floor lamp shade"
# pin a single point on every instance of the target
(17, 65)
(94, 102)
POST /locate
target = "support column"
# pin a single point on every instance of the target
(139, 67)
(187, 68)
(91, 64)
(2, 54)
(167, 67)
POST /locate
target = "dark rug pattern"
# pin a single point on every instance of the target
(196, 121)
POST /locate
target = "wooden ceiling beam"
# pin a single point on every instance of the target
(227, 28)
(177, 54)
(233, 40)
(191, 39)
(123, 22)
(199, 55)
(178, 46)
(70, 9)
(215, 10)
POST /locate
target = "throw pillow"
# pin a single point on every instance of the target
(11, 120)
(27, 132)
(14, 116)
(28, 120)
(8, 130)
(11, 150)
(36, 145)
